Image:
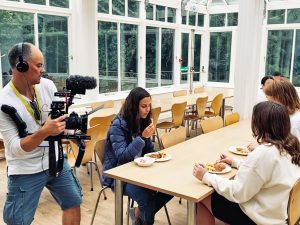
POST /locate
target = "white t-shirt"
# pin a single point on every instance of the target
(18, 160)
(261, 186)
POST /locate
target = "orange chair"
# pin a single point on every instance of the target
(294, 205)
(216, 105)
(232, 118)
(211, 124)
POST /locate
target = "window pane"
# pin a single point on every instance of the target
(296, 67)
(59, 3)
(149, 12)
(160, 13)
(103, 6)
(279, 51)
(183, 17)
(53, 42)
(167, 40)
(171, 15)
(39, 2)
(217, 20)
(192, 18)
(133, 8)
(276, 16)
(219, 57)
(184, 57)
(118, 7)
(108, 57)
(200, 20)
(232, 19)
(197, 55)
(14, 27)
(152, 41)
(293, 16)
(128, 55)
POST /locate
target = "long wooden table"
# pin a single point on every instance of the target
(175, 177)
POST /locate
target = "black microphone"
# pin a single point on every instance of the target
(78, 84)
(14, 115)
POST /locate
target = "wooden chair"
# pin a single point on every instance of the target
(199, 89)
(211, 124)
(179, 93)
(99, 151)
(102, 120)
(232, 118)
(106, 104)
(216, 105)
(293, 209)
(200, 113)
(173, 137)
(177, 110)
(96, 134)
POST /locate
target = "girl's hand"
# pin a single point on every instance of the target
(149, 131)
(226, 159)
(199, 171)
(252, 146)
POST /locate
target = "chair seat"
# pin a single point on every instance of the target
(209, 113)
(191, 117)
(165, 125)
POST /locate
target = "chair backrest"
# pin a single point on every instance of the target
(155, 114)
(232, 118)
(100, 149)
(199, 89)
(200, 105)
(173, 137)
(102, 120)
(179, 93)
(178, 110)
(212, 123)
(96, 134)
(294, 204)
(217, 103)
(107, 104)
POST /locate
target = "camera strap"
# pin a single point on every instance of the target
(55, 167)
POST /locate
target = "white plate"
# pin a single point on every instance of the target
(163, 159)
(226, 170)
(144, 161)
(234, 150)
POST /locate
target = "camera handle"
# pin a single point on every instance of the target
(55, 167)
(81, 150)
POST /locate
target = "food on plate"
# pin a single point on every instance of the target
(242, 150)
(216, 167)
(157, 155)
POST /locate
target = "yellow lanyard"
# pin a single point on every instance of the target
(25, 103)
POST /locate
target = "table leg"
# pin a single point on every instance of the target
(191, 214)
(118, 202)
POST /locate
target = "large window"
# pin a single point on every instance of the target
(167, 48)
(14, 27)
(279, 51)
(129, 48)
(152, 51)
(184, 57)
(108, 57)
(53, 42)
(219, 57)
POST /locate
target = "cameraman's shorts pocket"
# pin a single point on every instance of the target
(13, 209)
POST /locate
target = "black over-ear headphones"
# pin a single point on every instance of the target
(21, 64)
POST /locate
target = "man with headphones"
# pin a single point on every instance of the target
(27, 157)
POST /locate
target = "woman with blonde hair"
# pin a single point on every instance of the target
(284, 92)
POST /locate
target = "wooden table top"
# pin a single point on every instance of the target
(175, 177)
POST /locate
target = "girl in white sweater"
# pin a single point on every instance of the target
(260, 190)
